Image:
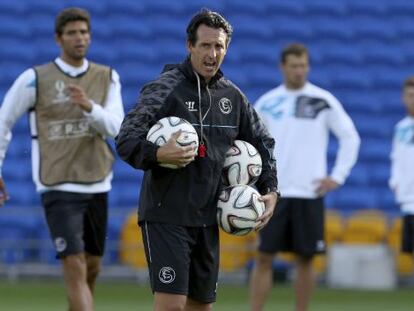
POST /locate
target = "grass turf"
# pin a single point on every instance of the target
(50, 296)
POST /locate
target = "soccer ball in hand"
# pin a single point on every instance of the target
(238, 208)
(242, 165)
(161, 132)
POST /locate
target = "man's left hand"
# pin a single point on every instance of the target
(325, 185)
(270, 201)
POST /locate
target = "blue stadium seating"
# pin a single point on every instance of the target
(98, 9)
(379, 126)
(362, 102)
(369, 27)
(396, 7)
(386, 201)
(15, 50)
(374, 149)
(285, 7)
(354, 198)
(100, 53)
(334, 52)
(13, 7)
(249, 26)
(127, 26)
(115, 222)
(15, 232)
(290, 28)
(133, 49)
(360, 175)
(327, 7)
(352, 78)
(380, 174)
(327, 27)
(45, 7)
(10, 25)
(257, 8)
(127, 7)
(360, 50)
(373, 8)
(381, 53)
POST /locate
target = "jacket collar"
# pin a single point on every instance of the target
(187, 69)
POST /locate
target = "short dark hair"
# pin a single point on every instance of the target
(409, 82)
(296, 49)
(71, 15)
(210, 19)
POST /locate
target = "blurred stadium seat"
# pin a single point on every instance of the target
(235, 251)
(368, 226)
(334, 226)
(329, 27)
(285, 7)
(326, 7)
(131, 250)
(373, 8)
(404, 261)
(372, 28)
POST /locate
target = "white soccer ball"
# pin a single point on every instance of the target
(238, 208)
(161, 132)
(242, 165)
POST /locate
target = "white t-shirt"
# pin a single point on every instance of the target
(300, 121)
(21, 97)
(402, 164)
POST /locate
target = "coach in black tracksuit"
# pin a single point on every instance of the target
(177, 209)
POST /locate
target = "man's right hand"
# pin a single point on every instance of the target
(4, 196)
(172, 153)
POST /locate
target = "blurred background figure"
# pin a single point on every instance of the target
(300, 116)
(74, 106)
(402, 166)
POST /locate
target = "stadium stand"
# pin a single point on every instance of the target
(369, 226)
(404, 261)
(361, 51)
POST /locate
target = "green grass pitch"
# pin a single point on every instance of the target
(118, 296)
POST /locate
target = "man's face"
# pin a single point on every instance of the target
(295, 70)
(209, 50)
(408, 99)
(74, 41)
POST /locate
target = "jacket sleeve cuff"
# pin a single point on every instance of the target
(338, 178)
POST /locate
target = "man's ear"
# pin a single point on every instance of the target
(189, 46)
(57, 39)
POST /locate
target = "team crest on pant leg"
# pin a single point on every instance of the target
(225, 105)
(166, 275)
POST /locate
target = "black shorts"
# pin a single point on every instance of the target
(407, 243)
(182, 260)
(77, 221)
(296, 226)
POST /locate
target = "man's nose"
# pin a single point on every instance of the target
(212, 53)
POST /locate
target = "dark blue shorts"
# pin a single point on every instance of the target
(77, 221)
(182, 260)
(296, 226)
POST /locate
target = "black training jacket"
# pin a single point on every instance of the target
(188, 196)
